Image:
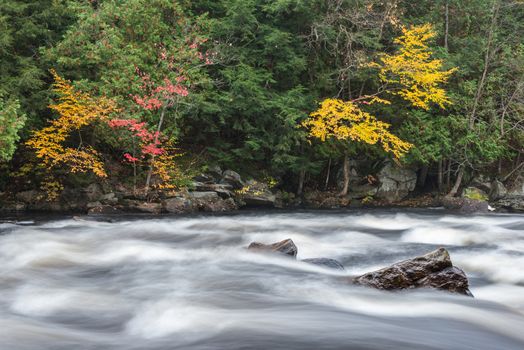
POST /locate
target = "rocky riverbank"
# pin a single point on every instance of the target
(224, 191)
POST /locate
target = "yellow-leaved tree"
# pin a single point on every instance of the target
(75, 110)
(411, 73)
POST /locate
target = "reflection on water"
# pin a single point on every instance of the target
(188, 283)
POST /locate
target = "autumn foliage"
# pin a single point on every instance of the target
(344, 120)
(411, 73)
(412, 69)
(75, 111)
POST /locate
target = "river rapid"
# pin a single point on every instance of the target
(189, 283)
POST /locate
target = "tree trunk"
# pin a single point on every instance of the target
(326, 184)
(458, 181)
(345, 187)
(423, 176)
(301, 179)
(439, 175)
(448, 173)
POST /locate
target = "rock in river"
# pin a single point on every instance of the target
(325, 262)
(433, 270)
(286, 247)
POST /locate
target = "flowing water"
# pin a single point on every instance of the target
(188, 283)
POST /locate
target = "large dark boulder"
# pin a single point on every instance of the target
(432, 270)
(325, 262)
(286, 247)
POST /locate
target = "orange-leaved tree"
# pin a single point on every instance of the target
(76, 110)
(411, 73)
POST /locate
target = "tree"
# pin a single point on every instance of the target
(76, 110)
(410, 73)
(11, 121)
(25, 28)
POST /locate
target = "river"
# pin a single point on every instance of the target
(189, 283)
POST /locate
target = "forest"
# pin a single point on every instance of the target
(144, 95)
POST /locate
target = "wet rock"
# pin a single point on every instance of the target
(205, 196)
(395, 182)
(451, 279)
(218, 205)
(179, 205)
(230, 177)
(432, 270)
(286, 247)
(222, 190)
(148, 207)
(257, 194)
(465, 205)
(512, 204)
(205, 178)
(516, 187)
(498, 191)
(104, 210)
(325, 262)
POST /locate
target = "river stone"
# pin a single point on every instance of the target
(257, 194)
(516, 187)
(395, 182)
(148, 207)
(432, 270)
(511, 203)
(286, 247)
(218, 205)
(104, 210)
(498, 191)
(232, 178)
(465, 205)
(325, 262)
(179, 205)
(206, 196)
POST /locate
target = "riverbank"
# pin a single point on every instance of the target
(226, 191)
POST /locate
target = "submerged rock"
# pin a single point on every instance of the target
(432, 270)
(325, 262)
(286, 247)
